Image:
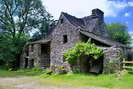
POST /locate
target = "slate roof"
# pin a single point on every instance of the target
(80, 22)
(101, 39)
(73, 20)
(85, 22)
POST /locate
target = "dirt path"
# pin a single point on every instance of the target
(32, 83)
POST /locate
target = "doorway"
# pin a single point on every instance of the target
(89, 65)
(26, 63)
(45, 56)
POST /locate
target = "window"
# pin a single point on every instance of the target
(65, 39)
(61, 21)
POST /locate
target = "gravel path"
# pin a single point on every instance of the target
(32, 83)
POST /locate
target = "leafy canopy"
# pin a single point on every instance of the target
(22, 16)
(80, 49)
(17, 19)
(118, 32)
(9, 48)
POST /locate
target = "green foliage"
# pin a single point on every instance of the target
(47, 27)
(17, 19)
(22, 72)
(77, 80)
(37, 69)
(48, 71)
(81, 49)
(118, 32)
(22, 16)
(86, 80)
(11, 48)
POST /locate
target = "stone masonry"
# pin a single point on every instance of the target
(47, 53)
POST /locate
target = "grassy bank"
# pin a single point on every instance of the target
(75, 80)
(7, 73)
(108, 81)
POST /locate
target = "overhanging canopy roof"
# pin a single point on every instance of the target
(42, 41)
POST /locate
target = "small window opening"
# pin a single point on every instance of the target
(61, 21)
(65, 39)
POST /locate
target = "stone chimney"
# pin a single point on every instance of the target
(97, 13)
(95, 23)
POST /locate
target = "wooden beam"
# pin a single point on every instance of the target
(127, 62)
(128, 67)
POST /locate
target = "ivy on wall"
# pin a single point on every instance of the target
(81, 49)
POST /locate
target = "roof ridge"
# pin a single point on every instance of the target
(70, 15)
(74, 20)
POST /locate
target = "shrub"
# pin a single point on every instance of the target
(48, 71)
(36, 69)
(59, 69)
(81, 49)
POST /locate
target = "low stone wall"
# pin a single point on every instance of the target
(33, 57)
(112, 59)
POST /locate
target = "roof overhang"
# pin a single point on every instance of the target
(42, 41)
(101, 39)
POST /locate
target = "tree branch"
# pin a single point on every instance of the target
(11, 18)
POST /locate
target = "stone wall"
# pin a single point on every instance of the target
(36, 55)
(57, 45)
(112, 59)
(93, 23)
(33, 56)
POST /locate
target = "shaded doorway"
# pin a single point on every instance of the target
(96, 66)
(89, 65)
(45, 56)
(26, 63)
(31, 63)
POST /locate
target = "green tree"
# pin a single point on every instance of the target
(17, 19)
(118, 32)
(43, 32)
(10, 49)
(22, 16)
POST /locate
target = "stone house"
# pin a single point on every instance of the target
(69, 31)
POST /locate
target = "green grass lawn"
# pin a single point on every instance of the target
(75, 80)
(6, 73)
(108, 81)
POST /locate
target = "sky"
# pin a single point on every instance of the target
(114, 10)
